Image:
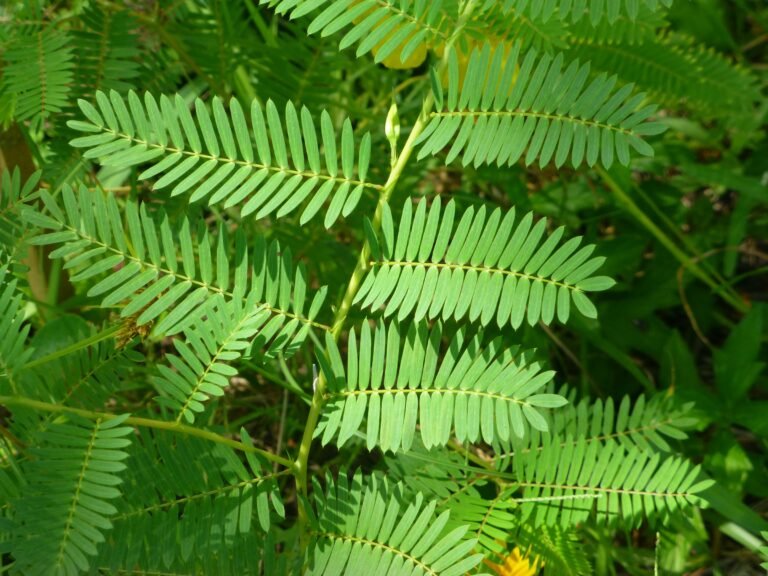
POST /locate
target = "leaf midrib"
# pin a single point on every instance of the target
(529, 113)
(478, 269)
(455, 391)
(193, 281)
(237, 162)
(358, 540)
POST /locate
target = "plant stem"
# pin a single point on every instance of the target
(145, 423)
(363, 261)
(318, 398)
(168, 38)
(54, 279)
(85, 343)
(281, 429)
(274, 378)
(688, 262)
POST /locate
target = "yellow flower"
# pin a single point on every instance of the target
(393, 60)
(515, 564)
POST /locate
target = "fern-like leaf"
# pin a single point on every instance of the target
(189, 502)
(566, 483)
(146, 274)
(202, 369)
(397, 378)
(644, 424)
(676, 71)
(484, 269)
(13, 333)
(65, 510)
(13, 196)
(107, 51)
(212, 155)
(87, 377)
(216, 38)
(575, 10)
(363, 526)
(503, 110)
(38, 72)
(300, 69)
(399, 28)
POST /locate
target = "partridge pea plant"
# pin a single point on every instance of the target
(265, 307)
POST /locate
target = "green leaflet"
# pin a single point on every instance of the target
(511, 106)
(15, 330)
(363, 524)
(575, 10)
(198, 481)
(470, 390)
(147, 277)
(212, 155)
(64, 522)
(395, 28)
(484, 268)
(566, 483)
(229, 330)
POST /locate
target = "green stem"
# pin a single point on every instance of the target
(171, 41)
(261, 25)
(144, 423)
(275, 378)
(469, 455)
(85, 343)
(318, 398)
(688, 262)
(54, 279)
(684, 239)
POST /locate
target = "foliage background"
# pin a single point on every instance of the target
(696, 209)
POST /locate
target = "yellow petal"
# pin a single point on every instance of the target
(515, 564)
(414, 60)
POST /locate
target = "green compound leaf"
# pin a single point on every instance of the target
(511, 105)
(62, 524)
(212, 157)
(485, 268)
(362, 525)
(154, 284)
(401, 382)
